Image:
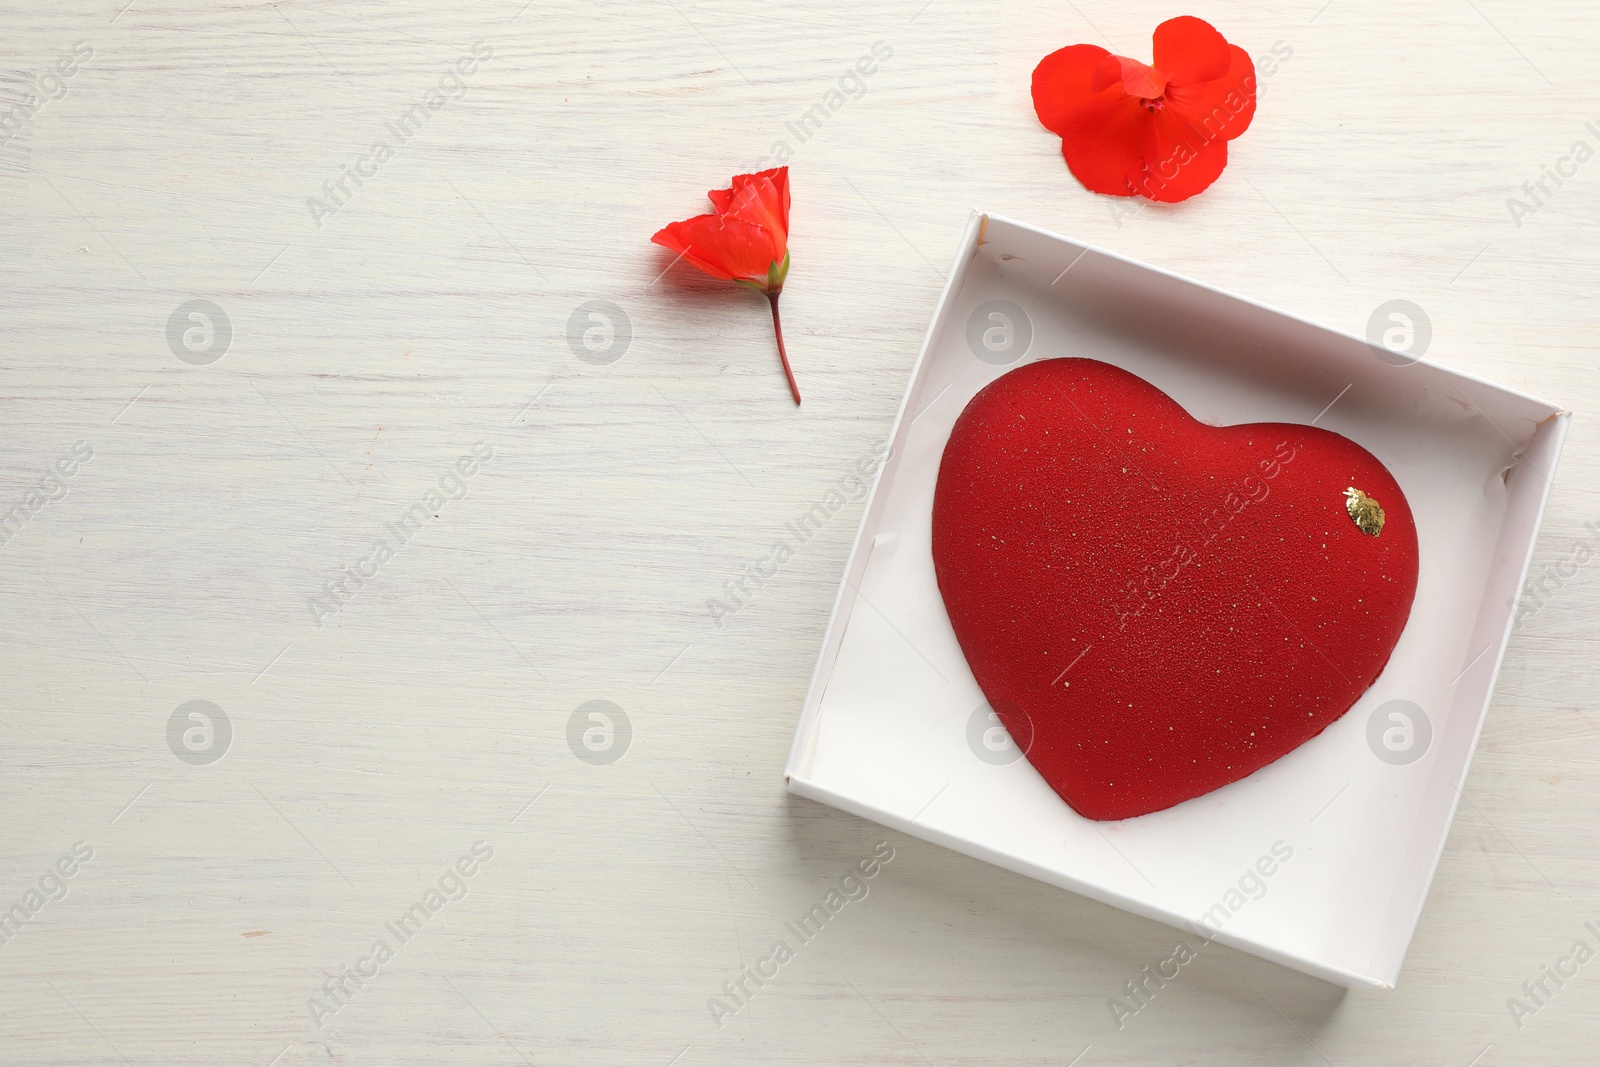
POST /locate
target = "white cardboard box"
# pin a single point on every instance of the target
(895, 729)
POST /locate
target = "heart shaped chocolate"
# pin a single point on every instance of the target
(1155, 607)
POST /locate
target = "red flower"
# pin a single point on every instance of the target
(1161, 131)
(744, 240)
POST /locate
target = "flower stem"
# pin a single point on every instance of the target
(777, 329)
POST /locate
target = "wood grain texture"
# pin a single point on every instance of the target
(432, 311)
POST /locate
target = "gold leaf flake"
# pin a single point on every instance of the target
(1364, 511)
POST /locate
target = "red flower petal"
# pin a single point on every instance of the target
(1100, 128)
(778, 177)
(723, 247)
(1190, 50)
(780, 181)
(1062, 84)
(1180, 160)
(1138, 80)
(1224, 107)
(759, 200)
(1103, 143)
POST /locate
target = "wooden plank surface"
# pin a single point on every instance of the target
(373, 743)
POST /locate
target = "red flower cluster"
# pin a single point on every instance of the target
(1159, 131)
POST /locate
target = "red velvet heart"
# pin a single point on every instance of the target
(1155, 607)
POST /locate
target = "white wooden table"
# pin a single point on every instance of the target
(375, 734)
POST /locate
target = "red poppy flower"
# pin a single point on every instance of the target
(744, 240)
(1159, 131)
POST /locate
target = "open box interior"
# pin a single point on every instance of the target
(886, 728)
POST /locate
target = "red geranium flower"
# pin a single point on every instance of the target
(745, 240)
(1158, 131)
